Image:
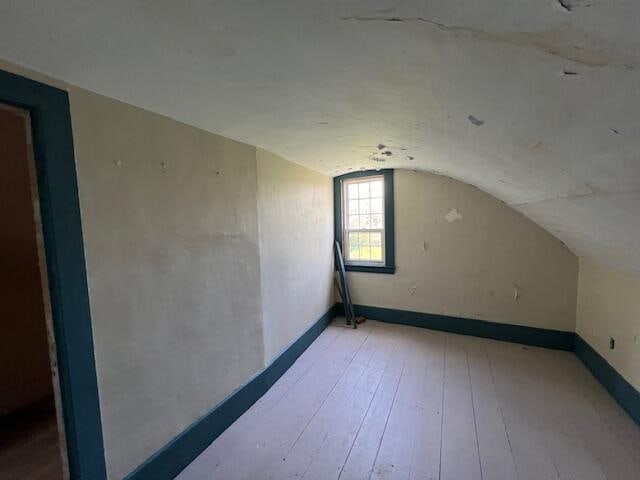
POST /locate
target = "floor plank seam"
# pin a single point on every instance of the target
(444, 377)
(366, 412)
(504, 421)
(598, 410)
(348, 364)
(473, 408)
(329, 394)
(285, 392)
(307, 369)
(388, 361)
(424, 382)
(387, 420)
(246, 435)
(564, 407)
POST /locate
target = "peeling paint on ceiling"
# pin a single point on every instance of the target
(335, 85)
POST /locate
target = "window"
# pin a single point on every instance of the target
(364, 220)
(363, 224)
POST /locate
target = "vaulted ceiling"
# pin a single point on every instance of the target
(536, 102)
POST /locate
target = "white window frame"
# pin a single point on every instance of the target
(345, 222)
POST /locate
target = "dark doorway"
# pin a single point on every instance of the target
(66, 277)
(31, 439)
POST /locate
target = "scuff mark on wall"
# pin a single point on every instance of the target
(565, 5)
(453, 215)
(517, 292)
(535, 146)
(476, 121)
(570, 5)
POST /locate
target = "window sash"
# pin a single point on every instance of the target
(346, 230)
(358, 261)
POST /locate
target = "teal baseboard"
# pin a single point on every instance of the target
(182, 450)
(624, 393)
(539, 337)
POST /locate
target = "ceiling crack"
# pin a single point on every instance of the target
(565, 42)
(593, 192)
(359, 18)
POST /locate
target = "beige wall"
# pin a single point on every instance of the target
(170, 226)
(469, 267)
(295, 208)
(609, 306)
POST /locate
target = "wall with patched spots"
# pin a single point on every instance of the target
(461, 252)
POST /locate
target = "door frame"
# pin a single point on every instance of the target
(51, 129)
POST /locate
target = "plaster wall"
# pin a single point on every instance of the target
(609, 307)
(171, 236)
(461, 252)
(295, 208)
(170, 226)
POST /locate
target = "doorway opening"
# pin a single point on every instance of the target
(32, 440)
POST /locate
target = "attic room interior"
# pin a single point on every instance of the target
(332, 240)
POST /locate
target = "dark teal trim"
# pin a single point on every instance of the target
(368, 269)
(389, 219)
(539, 337)
(625, 394)
(182, 450)
(59, 208)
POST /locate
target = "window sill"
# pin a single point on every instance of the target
(370, 269)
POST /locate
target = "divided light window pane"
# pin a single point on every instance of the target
(363, 220)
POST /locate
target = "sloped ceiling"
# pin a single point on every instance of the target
(535, 102)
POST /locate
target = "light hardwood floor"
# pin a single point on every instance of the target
(388, 401)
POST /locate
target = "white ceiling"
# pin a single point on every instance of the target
(536, 102)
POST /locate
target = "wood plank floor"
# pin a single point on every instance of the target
(395, 402)
(29, 445)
